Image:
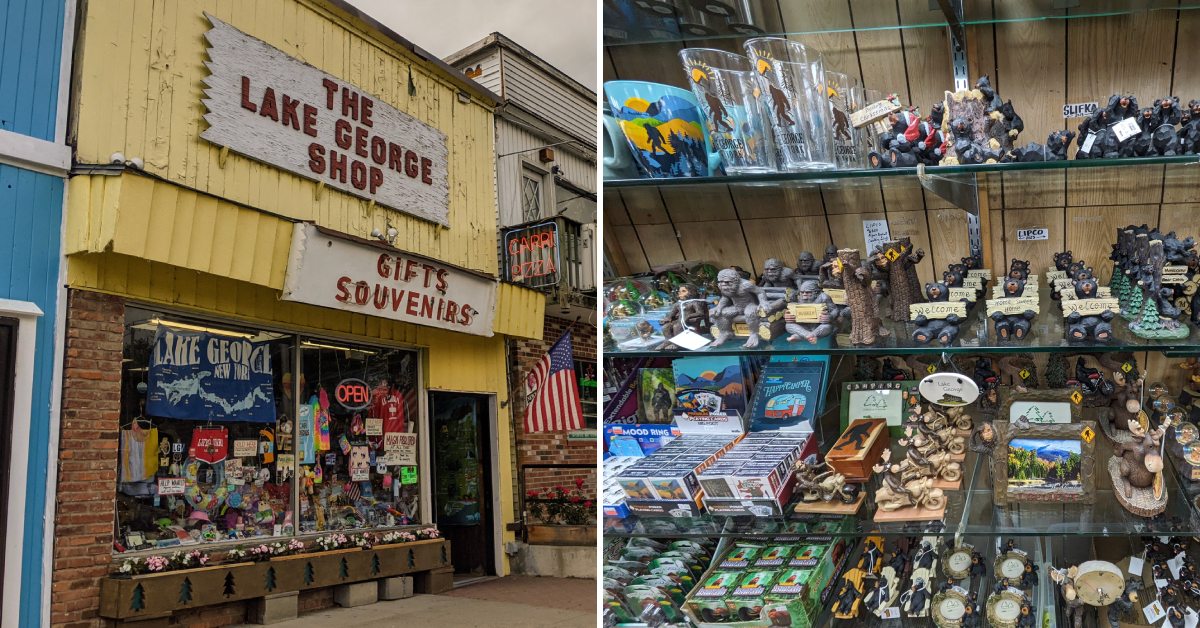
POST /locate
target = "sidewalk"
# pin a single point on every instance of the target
(523, 601)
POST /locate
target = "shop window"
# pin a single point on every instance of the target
(229, 433)
(531, 194)
(359, 466)
(585, 372)
(202, 410)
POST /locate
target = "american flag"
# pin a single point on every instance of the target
(552, 393)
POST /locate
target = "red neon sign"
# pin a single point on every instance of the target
(353, 394)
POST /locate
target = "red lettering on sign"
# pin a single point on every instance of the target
(352, 393)
(330, 89)
(343, 294)
(246, 104)
(268, 109)
(288, 112)
(310, 120)
(316, 158)
(341, 134)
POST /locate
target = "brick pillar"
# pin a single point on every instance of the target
(87, 461)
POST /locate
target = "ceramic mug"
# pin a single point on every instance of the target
(664, 128)
(618, 161)
(725, 86)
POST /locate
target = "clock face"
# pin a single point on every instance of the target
(1007, 610)
(1012, 568)
(952, 608)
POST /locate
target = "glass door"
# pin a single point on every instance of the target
(462, 479)
(8, 356)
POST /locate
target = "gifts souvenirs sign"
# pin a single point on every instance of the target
(278, 110)
(345, 273)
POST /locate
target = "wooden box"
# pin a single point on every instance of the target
(859, 448)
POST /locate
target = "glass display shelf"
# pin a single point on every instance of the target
(975, 335)
(629, 22)
(971, 511)
(1177, 166)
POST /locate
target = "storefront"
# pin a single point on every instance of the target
(283, 317)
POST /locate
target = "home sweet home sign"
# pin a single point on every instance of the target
(278, 110)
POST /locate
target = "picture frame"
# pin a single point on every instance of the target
(886, 400)
(1042, 407)
(1066, 446)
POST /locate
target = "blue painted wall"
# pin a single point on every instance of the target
(31, 36)
(31, 33)
(30, 250)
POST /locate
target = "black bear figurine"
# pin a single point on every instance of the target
(1009, 326)
(945, 330)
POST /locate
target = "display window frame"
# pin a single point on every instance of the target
(298, 337)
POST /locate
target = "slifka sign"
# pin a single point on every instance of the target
(275, 109)
(333, 270)
(531, 255)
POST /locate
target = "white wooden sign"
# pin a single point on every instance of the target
(937, 309)
(985, 273)
(1090, 307)
(960, 294)
(278, 110)
(1012, 306)
(374, 279)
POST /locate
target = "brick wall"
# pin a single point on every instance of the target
(87, 461)
(551, 447)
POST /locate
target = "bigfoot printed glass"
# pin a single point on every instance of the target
(664, 127)
(724, 85)
(791, 81)
(845, 97)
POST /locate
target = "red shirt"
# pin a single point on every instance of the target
(388, 404)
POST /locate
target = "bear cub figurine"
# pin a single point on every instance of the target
(945, 330)
(1010, 326)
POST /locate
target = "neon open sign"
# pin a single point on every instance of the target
(353, 394)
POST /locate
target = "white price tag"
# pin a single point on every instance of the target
(1033, 233)
(1136, 564)
(1154, 612)
(1126, 128)
(1080, 109)
(1190, 619)
(1176, 565)
(892, 612)
(1086, 147)
(1160, 583)
(689, 340)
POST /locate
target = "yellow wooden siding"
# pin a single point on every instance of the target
(143, 218)
(140, 89)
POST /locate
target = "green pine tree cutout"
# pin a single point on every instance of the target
(375, 567)
(1056, 371)
(1135, 301)
(185, 591)
(137, 601)
(445, 558)
(230, 585)
(344, 569)
(309, 576)
(412, 562)
(270, 579)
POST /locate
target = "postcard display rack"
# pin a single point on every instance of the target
(902, 320)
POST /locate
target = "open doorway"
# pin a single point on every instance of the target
(462, 480)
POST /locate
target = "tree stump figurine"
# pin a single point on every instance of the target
(903, 283)
(1157, 317)
(865, 326)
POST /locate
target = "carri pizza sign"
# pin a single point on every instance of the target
(283, 112)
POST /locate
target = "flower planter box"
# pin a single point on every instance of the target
(542, 534)
(159, 594)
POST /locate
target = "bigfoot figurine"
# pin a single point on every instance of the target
(810, 293)
(776, 275)
(740, 301)
(825, 270)
(806, 266)
(865, 326)
(690, 312)
(902, 272)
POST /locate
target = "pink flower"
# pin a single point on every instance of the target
(579, 483)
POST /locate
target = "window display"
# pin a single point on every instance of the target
(227, 431)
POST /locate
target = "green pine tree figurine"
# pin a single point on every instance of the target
(1135, 303)
(309, 576)
(185, 591)
(1056, 371)
(230, 586)
(270, 579)
(137, 601)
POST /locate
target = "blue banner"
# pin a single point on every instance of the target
(208, 377)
